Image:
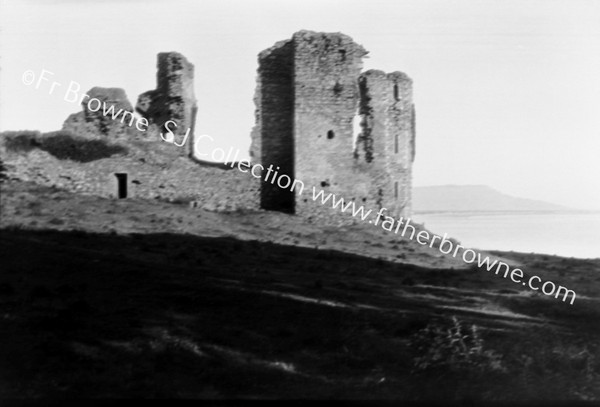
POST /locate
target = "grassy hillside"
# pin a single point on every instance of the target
(104, 298)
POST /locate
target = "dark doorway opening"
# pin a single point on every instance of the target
(121, 185)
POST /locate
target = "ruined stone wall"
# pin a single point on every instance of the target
(256, 133)
(154, 170)
(89, 123)
(309, 99)
(276, 74)
(384, 146)
(173, 99)
(371, 164)
(326, 70)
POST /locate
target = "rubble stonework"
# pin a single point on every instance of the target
(96, 123)
(150, 168)
(319, 120)
(324, 123)
(173, 99)
(385, 146)
(153, 171)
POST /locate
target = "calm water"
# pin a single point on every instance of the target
(563, 234)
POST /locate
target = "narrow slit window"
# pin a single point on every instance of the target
(396, 143)
(396, 96)
(396, 189)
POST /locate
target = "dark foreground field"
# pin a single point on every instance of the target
(116, 313)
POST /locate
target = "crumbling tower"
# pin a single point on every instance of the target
(324, 123)
(273, 135)
(173, 99)
(385, 147)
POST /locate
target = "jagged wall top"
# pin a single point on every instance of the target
(173, 98)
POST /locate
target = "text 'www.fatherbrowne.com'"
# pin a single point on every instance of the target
(445, 245)
(270, 174)
(400, 226)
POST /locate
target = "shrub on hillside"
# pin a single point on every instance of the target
(566, 366)
(453, 348)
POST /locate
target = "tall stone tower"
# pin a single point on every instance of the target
(173, 99)
(324, 123)
(385, 147)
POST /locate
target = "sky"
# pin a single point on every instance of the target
(507, 92)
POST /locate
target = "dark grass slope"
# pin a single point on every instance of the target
(165, 315)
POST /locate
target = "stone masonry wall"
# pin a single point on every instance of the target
(154, 170)
(88, 123)
(277, 119)
(385, 143)
(327, 67)
(173, 99)
(318, 120)
(369, 164)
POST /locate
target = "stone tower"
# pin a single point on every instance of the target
(173, 99)
(324, 123)
(385, 147)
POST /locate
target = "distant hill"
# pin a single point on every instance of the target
(474, 198)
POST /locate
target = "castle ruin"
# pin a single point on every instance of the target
(322, 121)
(173, 99)
(319, 120)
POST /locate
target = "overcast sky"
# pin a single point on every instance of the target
(507, 93)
